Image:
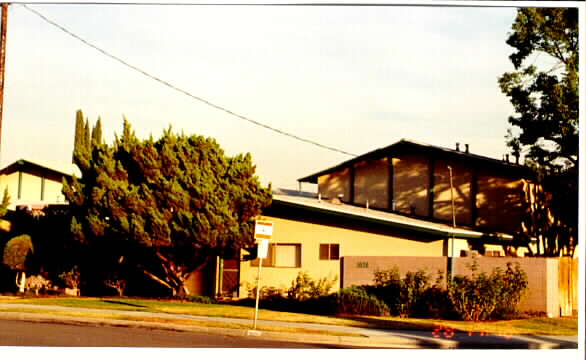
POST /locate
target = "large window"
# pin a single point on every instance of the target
(329, 251)
(281, 255)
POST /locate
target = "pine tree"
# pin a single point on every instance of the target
(179, 200)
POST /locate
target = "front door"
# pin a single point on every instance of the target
(230, 277)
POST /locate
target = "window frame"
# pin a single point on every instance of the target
(326, 251)
(271, 259)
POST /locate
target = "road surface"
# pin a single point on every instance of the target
(28, 333)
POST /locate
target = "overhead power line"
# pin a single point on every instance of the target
(169, 85)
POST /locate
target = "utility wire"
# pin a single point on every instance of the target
(111, 56)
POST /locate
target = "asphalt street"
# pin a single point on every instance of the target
(34, 326)
(26, 333)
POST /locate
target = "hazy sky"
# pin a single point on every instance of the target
(354, 78)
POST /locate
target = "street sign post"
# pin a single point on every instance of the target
(263, 233)
(263, 249)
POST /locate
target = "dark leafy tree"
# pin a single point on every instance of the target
(17, 252)
(179, 200)
(545, 124)
(17, 256)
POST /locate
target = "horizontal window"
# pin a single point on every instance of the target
(281, 255)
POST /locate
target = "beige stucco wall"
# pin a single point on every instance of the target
(332, 185)
(371, 182)
(53, 191)
(499, 203)
(459, 246)
(442, 195)
(30, 187)
(411, 184)
(9, 182)
(30, 192)
(202, 282)
(311, 235)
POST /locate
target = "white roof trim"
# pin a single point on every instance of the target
(382, 216)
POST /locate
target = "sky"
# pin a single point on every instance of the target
(352, 78)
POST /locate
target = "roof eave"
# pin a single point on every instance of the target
(429, 230)
(381, 152)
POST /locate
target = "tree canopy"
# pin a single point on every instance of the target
(17, 252)
(179, 199)
(543, 90)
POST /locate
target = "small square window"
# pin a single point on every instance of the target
(329, 251)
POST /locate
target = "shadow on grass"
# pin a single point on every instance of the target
(365, 321)
(124, 303)
(388, 324)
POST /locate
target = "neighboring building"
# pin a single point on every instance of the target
(32, 185)
(394, 201)
(314, 236)
(414, 179)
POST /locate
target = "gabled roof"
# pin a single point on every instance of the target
(405, 146)
(308, 202)
(33, 168)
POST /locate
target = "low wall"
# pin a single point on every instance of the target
(542, 273)
(359, 270)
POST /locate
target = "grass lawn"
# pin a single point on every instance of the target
(530, 326)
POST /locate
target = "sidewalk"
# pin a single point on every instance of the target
(357, 337)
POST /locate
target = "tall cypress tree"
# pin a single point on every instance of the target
(97, 132)
(78, 140)
(179, 200)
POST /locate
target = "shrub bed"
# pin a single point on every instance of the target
(480, 296)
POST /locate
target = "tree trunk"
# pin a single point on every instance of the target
(22, 284)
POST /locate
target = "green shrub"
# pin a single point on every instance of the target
(199, 299)
(266, 292)
(304, 287)
(71, 278)
(514, 288)
(305, 295)
(409, 296)
(356, 300)
(483, 297)
(435, 302)
(384, 278)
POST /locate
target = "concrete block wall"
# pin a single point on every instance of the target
(542, 273)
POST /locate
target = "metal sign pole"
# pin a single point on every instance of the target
(263, 231)
(257, 295)
(453, 226)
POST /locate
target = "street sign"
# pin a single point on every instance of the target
(263, 248)
(263, 229)
(263, 232)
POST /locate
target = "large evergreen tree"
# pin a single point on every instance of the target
(545, 123)
(179, 199)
